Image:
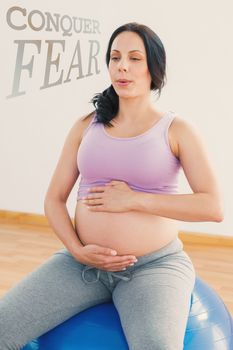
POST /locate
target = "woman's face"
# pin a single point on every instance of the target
(128, 61)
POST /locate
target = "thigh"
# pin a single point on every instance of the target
(154, 306)
(45, 298)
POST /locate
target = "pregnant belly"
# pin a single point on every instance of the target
(130, 232)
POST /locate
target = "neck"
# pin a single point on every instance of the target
(135, 109)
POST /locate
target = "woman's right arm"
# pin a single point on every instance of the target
(61, 184)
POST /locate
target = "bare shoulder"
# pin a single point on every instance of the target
(86, 119)
(81, 124)
(182, 125)
(75, 134)
(181, 132)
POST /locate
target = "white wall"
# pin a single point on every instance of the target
(197, 37)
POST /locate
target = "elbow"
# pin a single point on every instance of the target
(218, 211)
(219, 217)
(50, 201)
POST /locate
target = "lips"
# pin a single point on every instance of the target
(124, 80)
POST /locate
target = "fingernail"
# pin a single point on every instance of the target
(113, 252)
(124, 268)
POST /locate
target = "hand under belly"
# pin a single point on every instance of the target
(130, 232)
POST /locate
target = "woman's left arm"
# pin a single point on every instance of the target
(205, 203)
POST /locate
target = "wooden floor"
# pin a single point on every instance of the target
(24, 247)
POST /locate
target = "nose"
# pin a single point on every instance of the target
(123, 65)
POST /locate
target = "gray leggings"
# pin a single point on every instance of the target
(152, 298)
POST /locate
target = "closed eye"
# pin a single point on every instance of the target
(117, 58)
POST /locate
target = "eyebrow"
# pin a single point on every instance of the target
(130, 51)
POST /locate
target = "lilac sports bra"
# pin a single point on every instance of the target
(145, 162)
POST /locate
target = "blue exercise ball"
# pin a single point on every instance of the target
(209, 327)
(95, 328)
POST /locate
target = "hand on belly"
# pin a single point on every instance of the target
(115, 196)
(102, 258)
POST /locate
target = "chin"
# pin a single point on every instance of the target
(125, 94)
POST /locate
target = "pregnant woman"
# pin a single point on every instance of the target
(124, 245)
